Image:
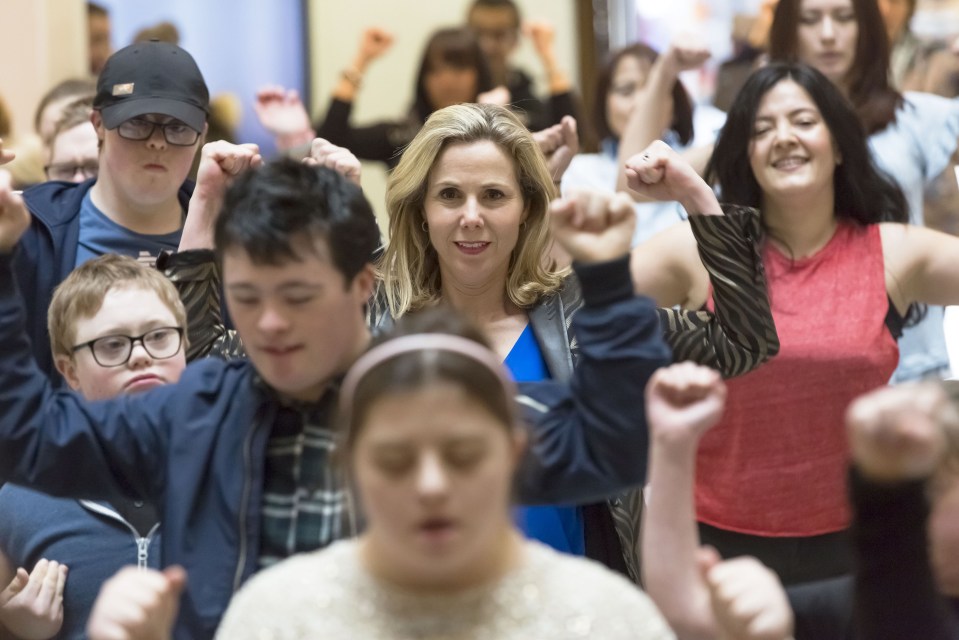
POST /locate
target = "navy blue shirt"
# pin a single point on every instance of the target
(100, 235)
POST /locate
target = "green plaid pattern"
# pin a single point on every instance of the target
(304, 497)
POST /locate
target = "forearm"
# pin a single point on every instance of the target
(558, 78)
(670, 541)
(741, 334)
(196, 276)
(349, 83)
(592, 441)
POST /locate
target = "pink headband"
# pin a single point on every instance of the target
(420, 342)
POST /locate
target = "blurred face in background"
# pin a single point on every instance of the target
(73, 154)
(828, 33)
(629, 77)
(497, 29)
(447, 84)
(100, 47)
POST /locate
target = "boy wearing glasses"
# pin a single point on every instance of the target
(116, 327)
(150, 113)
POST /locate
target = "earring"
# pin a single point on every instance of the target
(425, 227)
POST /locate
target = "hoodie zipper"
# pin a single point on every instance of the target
(142, 542)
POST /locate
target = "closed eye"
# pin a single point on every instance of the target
(298, 300)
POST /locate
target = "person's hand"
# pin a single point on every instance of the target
(683, 401)
(19, 581)
(659, 173)
(593, 226)
(5, 154)
(220, 163)
(899, 433)
(559, 144)
(14, 217)
(137, 604)
(281, 112)
(499, 96)
(748, 600)
(543, 36)
(374, 42)
(324, 153)
(35, 610)
(686, 52)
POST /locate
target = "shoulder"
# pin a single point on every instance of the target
(922, 114)
(55, 203)
(589, 594)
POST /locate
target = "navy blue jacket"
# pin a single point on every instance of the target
(195, 450)
(47, 253)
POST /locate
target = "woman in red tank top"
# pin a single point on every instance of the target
(840, 266)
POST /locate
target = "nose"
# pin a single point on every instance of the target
(157, 139)
(828, 29)
(470, 217)
(271, 320)
(139, 356)
(431, 480)
(784, 132)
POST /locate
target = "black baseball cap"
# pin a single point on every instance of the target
(152, 77)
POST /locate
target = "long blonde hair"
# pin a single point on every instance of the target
(409, 267)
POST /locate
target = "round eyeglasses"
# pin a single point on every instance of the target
(174, 132)
(114, 351)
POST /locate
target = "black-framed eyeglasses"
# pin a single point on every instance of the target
(174, 132)
(69, 170)
(113, 351)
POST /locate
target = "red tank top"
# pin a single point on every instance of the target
(776, 463)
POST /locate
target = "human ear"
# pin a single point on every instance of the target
(68, 369)
(97, 121)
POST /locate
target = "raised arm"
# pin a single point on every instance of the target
(43, 433)
(653, 110)
(372, 142)
(898, 439)
(717, 250)
(682, 402)
(589, 437)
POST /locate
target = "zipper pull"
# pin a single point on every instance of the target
(143, 545)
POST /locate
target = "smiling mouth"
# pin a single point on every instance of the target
(471, 247)
(786, 164)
